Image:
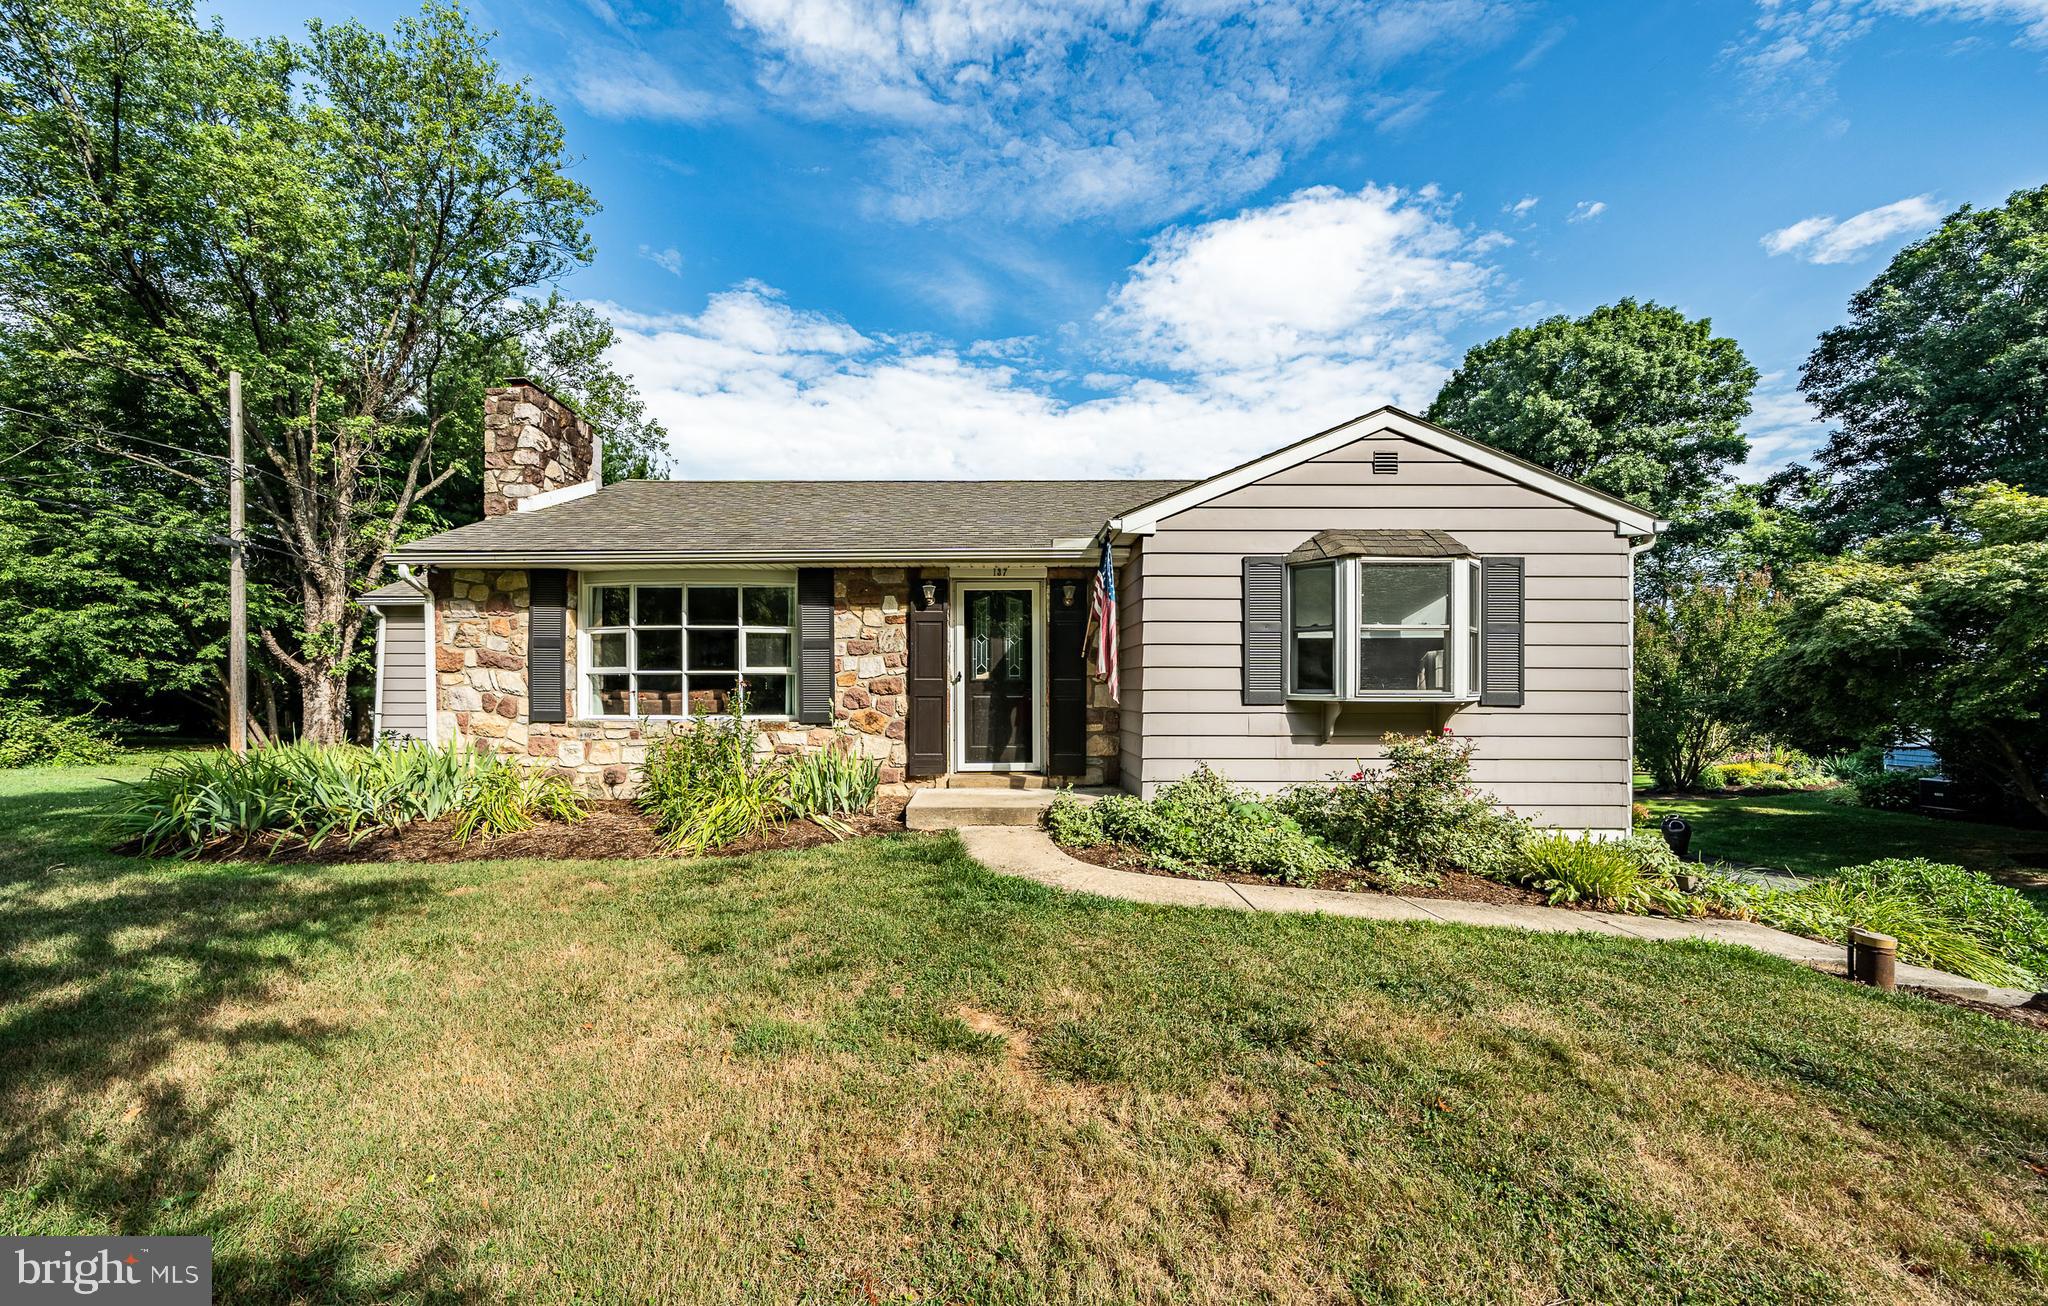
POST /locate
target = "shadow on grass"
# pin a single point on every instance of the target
(114, 972)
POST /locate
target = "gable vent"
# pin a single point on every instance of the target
(1385, 462)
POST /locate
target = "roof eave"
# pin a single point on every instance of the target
(583, 558)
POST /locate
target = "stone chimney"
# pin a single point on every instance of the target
(534, 444)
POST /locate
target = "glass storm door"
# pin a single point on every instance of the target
(1000, 678)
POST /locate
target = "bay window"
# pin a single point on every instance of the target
(670, 649)
(1383, 628)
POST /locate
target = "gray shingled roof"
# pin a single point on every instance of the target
(1380, 544)
(397, 591)
(795, 519)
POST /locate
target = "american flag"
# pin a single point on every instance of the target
(1102, 622)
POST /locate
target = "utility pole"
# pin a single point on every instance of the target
(238, 580)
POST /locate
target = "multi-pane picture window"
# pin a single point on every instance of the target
(685, 649)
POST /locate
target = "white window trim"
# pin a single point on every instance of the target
(1463, 641)
(589, 583)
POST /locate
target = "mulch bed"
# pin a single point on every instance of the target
(1457, 885)
(615, 830)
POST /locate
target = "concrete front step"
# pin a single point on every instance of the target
(955, 809)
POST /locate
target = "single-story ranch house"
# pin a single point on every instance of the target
(1274, 620)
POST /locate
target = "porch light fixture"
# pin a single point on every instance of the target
(931, 593)
(1066, 594)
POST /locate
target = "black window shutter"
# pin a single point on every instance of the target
(547, 653)
(924, 727)
(1500, 632)
(1067, 628)
(1265, 634)
(814, 645)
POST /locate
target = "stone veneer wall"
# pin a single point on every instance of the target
(480, 642)
(533, 443)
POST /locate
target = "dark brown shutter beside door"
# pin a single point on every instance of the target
(814, 645)
(1265, 635)
(924, 727)
(1067, 668)
(547, 652)
(1500, 632)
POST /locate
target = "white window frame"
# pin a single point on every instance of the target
(1462, 642)
(587, 628)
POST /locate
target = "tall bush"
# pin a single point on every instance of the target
(1698, 653)
(1412, 816)
(29, 737)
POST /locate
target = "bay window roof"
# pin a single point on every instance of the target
(1379, 544)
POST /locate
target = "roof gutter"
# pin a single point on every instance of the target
(732, 557)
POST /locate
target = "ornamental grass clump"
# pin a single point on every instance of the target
(505, 798)
(1637, 874)
(306, 794)
(1412, 816)
(1943, 915)
(1196, 826)
(708, 785)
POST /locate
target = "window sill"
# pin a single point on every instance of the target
(1330, 700)
(595, 720)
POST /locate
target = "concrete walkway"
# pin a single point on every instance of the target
(1031, 853)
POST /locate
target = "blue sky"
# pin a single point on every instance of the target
(968, 238)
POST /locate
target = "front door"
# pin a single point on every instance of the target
(999, 677)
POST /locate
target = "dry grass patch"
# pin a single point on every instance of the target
(874, 1068)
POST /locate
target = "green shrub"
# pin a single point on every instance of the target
(1927, 937)
(1890, 791)
(2002, 917)
(1752, 775)
(505, 798)
(833, 782)
(1194, 825)
(1073, 823)
(299, 792)
(707, 786)
(1413, 816)
(1943, 915)
(1632, 875)
(28, 737)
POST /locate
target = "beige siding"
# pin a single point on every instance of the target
(402, 705)
(1130, 600)
(1561, 759)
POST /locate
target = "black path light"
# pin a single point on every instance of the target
(1678, 835)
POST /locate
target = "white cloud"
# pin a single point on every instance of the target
(669, 260)
(1071, 109)
(1782, 428)
(1321, 273)
(1825, 239)
(1520, 208)
(1586, 210)
(1789, 55)
(633, 84)
(1257, 329)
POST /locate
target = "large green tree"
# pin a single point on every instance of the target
(1941, 629)
(354, 221)
(1633, 398)
(1939, 379)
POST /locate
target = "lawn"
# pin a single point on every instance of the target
(877, 1072)
(1811, 834)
